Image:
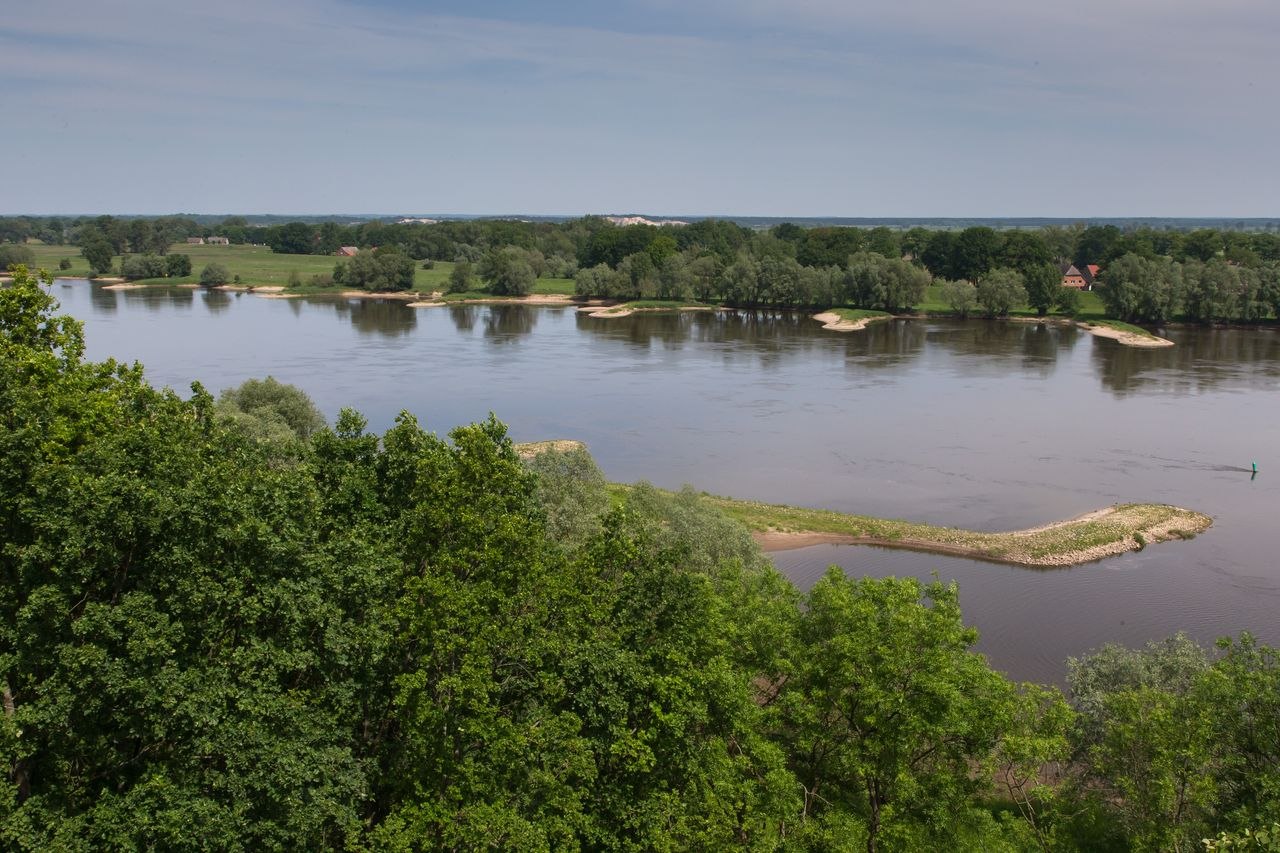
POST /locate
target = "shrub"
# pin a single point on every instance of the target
(13, 254)
(214, 274)
(144, 266)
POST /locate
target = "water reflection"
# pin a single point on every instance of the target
(103, 300)
(157, 298)
(216, 301)
(1200, 360)
(992, 347)
(385, 317)
(463, 316)
(506, 323)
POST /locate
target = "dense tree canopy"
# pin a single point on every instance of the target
(227, 624)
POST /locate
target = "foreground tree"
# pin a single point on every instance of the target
(888, 710)
(1000, 291)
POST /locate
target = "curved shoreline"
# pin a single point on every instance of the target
(1129, 339)
(834, 322)
(1102, 533)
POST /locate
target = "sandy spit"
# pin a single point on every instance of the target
(1129, 339)
(836, 323)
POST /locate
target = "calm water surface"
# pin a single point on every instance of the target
(975, 424)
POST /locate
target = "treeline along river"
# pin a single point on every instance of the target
(978, 424)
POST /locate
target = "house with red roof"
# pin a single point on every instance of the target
(1081, 277)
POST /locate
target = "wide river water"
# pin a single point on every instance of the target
(977, 424)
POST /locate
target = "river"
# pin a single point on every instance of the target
(977, 424)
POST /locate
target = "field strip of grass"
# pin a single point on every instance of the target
(1102, 533)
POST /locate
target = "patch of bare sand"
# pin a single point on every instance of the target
(833, 321)
(1129, 339)
(123, 286)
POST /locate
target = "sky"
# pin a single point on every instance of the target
(695, 107)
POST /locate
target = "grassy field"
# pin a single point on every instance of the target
(259, 266)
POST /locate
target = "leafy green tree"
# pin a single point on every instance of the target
(97, 250)
(64, 264)
(975, 252)
(1134, 288)
(1094, 244)
(266, 406)
(13, 254)
(294, 238)
(178, 266)
(460, 277)
(887, 710)
(1043, 284)
(382, 269)
(506, 272)
(214, 274)
(143, 266)
(1000, 291)
(1024, 251)
(829, 247)
(961, 296)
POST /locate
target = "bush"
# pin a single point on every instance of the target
(134, 267)
(428, 264)
(178, 265)
(64, 264)
(13, 254)
(961, 295)
(214, 274)
(460, 279)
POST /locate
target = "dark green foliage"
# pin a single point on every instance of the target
(97, 250)
(178, 266)
(461, 277)
(223, 625)
(214, 274)
(295, 238)
(507, 272)
(267, 407)
(378, 270)
(12, 254)
(1000, 291)
(144, 266)
(1043, 284)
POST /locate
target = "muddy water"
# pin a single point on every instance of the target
(976, 424)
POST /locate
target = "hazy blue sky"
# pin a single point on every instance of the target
(799, 108)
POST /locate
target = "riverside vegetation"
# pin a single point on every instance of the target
(1147, 275)
(225, 623)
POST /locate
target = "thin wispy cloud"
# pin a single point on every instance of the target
(810, 107)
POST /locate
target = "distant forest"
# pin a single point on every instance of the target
(1145, 273)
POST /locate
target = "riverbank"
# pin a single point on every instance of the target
(1103, 533)
(1093, 536)
(1129, 335)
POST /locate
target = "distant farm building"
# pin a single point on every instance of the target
(1081, 278)
(346, 251)
(218, 241)
(195, 241)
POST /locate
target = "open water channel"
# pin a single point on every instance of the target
(977, 424)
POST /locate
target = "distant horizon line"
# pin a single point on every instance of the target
(693, 216)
